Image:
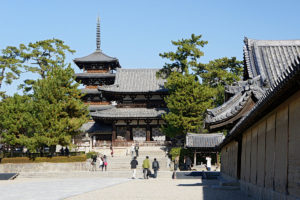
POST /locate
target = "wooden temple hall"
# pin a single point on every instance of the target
(262, 112)
(125, 104)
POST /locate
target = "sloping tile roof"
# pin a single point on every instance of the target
(136, 80)
(130, 113)
(99, 107)
(94, 75)
(265, 62)
(90, 91)
(242, 85)
(97, 56)
(202, 140)
(269, 58)
(285, 86)
(228, 109)
(96, 127)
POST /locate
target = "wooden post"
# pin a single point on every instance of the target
(114, 132)
(195, 158)
(217, 158)
(127, 136)
(148, 133)
(127, 133)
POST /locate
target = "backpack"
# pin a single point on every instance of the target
(155, 165)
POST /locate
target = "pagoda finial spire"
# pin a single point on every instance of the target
(98, 41)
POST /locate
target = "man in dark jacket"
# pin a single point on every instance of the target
(133, 164)
(155, 167)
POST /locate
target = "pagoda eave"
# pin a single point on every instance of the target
(94, 75)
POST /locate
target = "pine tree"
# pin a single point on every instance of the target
(193, 86)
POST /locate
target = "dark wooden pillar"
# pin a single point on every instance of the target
(114, 131)
(148, 129)
(148, 133)
(127, 136)
(195, 158)
(127, 133)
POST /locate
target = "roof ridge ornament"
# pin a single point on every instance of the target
(98, 41)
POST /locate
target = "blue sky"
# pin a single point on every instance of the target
(136, 31)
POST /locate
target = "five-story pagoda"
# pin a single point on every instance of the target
(99, 70)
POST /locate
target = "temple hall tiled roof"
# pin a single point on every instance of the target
(93, 108)
(136, 80)
(90, 91)
(269, 58)
(94, 127)
(123, 113)
(202, 140)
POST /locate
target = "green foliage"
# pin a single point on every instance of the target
(42, 57)
(181, 152)
(194, 86)
(16, 120)
(10, 65)
(218, 73)
(53, 113)
(185, 57)
(187, 103)
(58, 159)
(58, 107)
(174, 152)
(91, 154)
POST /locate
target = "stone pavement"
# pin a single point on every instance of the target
(91, 187)
(164, 189)
(51, 188)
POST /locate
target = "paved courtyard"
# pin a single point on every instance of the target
(114, 188)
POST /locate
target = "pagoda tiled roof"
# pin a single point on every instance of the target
(202, 140)
(94, 75)
(129, 113)
(96, 57)
(135, 81)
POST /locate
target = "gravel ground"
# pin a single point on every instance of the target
(53, 189)
(82, 188)
(164, 189)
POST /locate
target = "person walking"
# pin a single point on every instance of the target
(101, 162)
(132, 149)
(155, 167)
(104, 163)
(112, 151)
(188, 163)
(62, 151)
(94, 161)
(137, 149)
(208, 163)
(176, 165)
(146, 166)
(133, 165)
(1, 154)
(67, 152)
